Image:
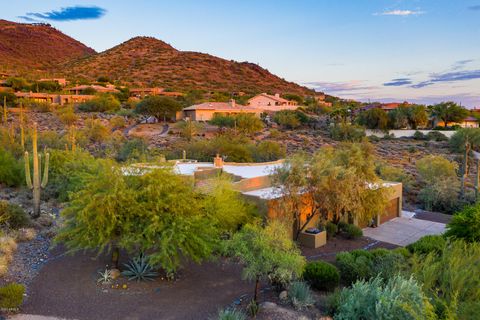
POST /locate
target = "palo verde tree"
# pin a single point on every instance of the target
(268, 253)
(338, 184)
(448, 112)
(374, 118)
(158, 107)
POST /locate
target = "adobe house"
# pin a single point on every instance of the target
(253, 181)
(100, 89)
(205, 111)
(269, 103)
(60, 99)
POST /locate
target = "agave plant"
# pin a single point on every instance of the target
(139, 269)
(105, 277)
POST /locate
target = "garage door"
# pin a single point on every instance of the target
(391, 211)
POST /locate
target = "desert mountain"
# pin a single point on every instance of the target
(27, 47)
(149, 61)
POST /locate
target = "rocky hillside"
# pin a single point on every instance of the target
(149, 61)
(26, 47)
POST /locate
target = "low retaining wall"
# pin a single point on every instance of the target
(406, 133)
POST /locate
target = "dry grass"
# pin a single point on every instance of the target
(25, 234)
(7, 248)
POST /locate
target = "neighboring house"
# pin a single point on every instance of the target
(141, 93)
(267, 102)
(468, 122)
(60, 99)
(384, 106)
(253, 181)
(205, 111)
(60, 81)
(100, 89)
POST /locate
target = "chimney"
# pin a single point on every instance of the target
(233, 103)
(277, 95)
(218, 161)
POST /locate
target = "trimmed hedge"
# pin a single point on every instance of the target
(321, 275)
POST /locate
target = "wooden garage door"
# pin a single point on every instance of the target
(391, 211)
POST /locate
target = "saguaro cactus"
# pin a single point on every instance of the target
(36, 184)
(5, 110)
(22, 131)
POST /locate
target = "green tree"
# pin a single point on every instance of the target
(374, 118)
(101, 103)
(465, 224)
(449, 112)
(417, 116)
(268, 253)
(398, 118)
(440, 183)
(188, 129)
(158, 107)
(334, 182)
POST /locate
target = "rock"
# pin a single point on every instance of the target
(45, 220)
(115, 273)
(283, 295)
(268, 305)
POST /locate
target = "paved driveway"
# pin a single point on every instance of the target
(404, 230)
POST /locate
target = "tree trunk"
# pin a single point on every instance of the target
(257, 285)
(115, 256)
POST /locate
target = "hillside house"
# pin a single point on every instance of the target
(205, 111)
(468, 122)
(59, 99)
(141, 93)
(383, 106)
(253, 181)
(269, 103)
(100, 89)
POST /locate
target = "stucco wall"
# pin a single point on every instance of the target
(405, 133)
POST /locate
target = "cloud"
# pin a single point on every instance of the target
(461, 63)
(464, 75)
(350, 87)
(398, 82)
(26, 18)
(474, 8)
(402, 13)
(68, 14)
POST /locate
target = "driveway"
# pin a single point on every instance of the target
(404, 230)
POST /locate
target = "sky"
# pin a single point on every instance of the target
(423, 51)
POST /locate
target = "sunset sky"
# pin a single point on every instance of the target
(417, 50)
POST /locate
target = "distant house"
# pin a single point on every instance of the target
(205, 111)
(468, 122)
(267, 102)
(383, 106)
(61, 81)
(100, 89)
(141, 93)
(59, 99)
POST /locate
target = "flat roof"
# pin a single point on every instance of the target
(246, 171)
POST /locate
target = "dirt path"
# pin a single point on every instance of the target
(66, 288)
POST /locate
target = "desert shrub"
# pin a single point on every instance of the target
(419, 135)
(436, 136)
(11, 296)
(50, 139)
(126, 113)
(13, 215)
(387, 263)
(134, 149)
(231, 314)
(394, 174)
(465, 224)
(117, 122)
(11, 169)
(321, 275)
(397, 298)
(67, 115)
(37, 106)
(347, 132)
(451, 279)
(95, 131)
(354, 265)
(331, 229)
(101, 103)
(440, 184)
(7, 248)
(457, 142)
(268, 151)
(290, 119)
(427, 244)
(245, 123)
(373, 119)
(352, 231)
(25, 234)
(300, 295)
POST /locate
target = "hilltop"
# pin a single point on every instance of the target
(26, 47)
(152, 62)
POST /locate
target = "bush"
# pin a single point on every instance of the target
(300, 295)
(231, 314)
(347, 132)
(331, 229)
(96, 131)
(101, 103)
(397, 298)
(352, 231)
(11, 170)
(13, 215)
(321, 275)
(117, 122)
(394, 174)
(11, 296)
(135, 149)
(436, 136)
(67, 115)
(465, 224)
(139, 269)
(290, 119)
(268, 151)
(427, 244)
(419, 135)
